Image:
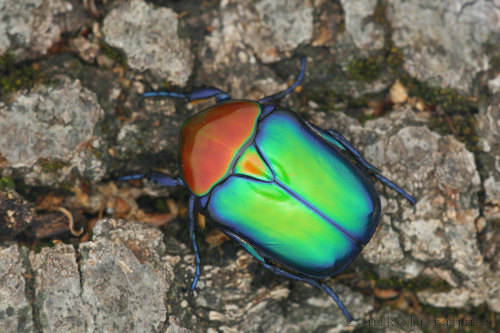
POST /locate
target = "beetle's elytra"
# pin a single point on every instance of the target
(296, 197)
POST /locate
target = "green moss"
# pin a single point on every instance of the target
(42, 244)
(368, 69)
(7, 59)
(52, 166)
(97, 153)
(14, 76)
(495, 62)
(114, 53)
(379, 13)
(394, 57)
(6, 183)
(492, 49)
(495, 223)
(360, 102)
(461, 126)
(341, 27)
(453, 112)
(451, 101)
(416, 284)
(364, 69)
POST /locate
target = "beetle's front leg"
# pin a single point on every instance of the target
(197, 94)
(193, 217)
(288, 90)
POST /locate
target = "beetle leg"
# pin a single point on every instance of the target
(396, 188)
(278, 271)
(193, 216)
(357, 155)
(346, 145)
(313, 283)
(247, 247)
(370, 168)
(157, 178)
(337, 300)
(283, 93)
(197, 94)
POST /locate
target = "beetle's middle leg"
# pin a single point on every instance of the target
(357, 155)
(193, 217)
(339, 138)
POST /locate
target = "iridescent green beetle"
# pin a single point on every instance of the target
(297, 198)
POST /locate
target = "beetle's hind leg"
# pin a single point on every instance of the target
(193, 217)
(278, 271)
(314, 283)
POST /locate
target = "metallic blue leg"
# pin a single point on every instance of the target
(313, 283)
(220, 95)
(396, 188)
(267, 109)
(197, 94)
(157, 178)
(282, 94)
(249, 248)
(193, 218)
(337, 300)
(340, 138)
(369, 167)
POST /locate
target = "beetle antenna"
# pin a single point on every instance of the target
(290, 89)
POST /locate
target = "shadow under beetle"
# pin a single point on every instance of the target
(296, 197)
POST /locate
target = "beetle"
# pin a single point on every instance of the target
(296, 197)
